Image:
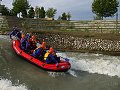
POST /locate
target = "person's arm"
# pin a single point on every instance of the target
(38, 52)
(27, 44)
(11, 33)
(21, 41)
(16, 34)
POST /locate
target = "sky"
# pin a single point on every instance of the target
(79, 9)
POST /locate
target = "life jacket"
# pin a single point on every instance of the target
(32, 42)
(46, 55)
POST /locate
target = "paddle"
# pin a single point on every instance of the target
(66, 59)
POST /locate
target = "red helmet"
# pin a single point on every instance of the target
(23, 36)
(33, 37)
(51, 50)
(43, 44)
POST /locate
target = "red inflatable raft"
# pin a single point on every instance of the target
(62, 65)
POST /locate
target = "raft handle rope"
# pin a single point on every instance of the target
(20, 52)
(43, 65)
(31, 58)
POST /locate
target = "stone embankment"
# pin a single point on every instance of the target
(75, 43)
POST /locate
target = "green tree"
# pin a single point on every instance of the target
(50, 13)
(31, 12)
(13, 13)
(20, 6)
(4, 10)
(68, 15)
(24, 14)
(64, 16)
(97, 17)
(41, 12)
(105, 8)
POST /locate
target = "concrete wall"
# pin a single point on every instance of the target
(3, 23)
(7, 23)
(99, 26)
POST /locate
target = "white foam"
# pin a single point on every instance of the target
(72, 73)
(6, 84)
(4, 37)
(95, 63)
(101, 66)
(55, 74)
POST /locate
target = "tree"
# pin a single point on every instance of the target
(50, 13)
(97, 17)
(41, 12)
(105, 8)
(4, 10)
(64, 16)
(20, 6)
(24, 14)
(13, 13)
(31, 12)
(68, 16)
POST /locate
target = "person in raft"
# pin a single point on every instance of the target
(40, 51)
(24, 43)
(15, 32)
(33, 43)
(49, 57)
(26, 40)
(28, 36)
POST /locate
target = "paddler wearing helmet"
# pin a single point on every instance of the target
(33, 42)
(49, 57)
(40, 51)
(24, 43)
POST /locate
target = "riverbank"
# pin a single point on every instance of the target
(85, 42)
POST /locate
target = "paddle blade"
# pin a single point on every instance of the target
(66, 59)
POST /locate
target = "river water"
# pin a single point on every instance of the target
(88, 72)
